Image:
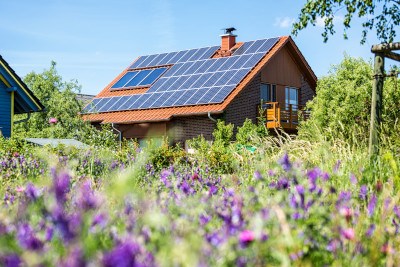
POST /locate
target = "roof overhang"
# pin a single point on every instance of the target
(24, 100)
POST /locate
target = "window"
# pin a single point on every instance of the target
(291, 97)
(268, 92)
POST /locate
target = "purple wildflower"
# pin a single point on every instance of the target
(11, 260)
(31, 192)
(87, 200)
(213, 190)
(333, 245)
(74, 259)
(370, 230)
(285, 163)
(100, 220)
(283, 183)
(353, 179)
(372, 205)
(396, 210)
(363, 192)
(27, 238)
(257, 176)
(204, 219)
(61, 184)
(127, 254)
(337, 166)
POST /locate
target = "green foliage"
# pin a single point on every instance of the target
(341, 108)
(246, 134)
(166, 155)
(61, 103)
(382, 15)
(223, 133)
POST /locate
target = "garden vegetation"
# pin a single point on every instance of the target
(254, 198)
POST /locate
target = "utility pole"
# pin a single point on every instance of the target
(381, 51)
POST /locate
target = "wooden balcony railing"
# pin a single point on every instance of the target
(285, 116)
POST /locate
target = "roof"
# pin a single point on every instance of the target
(116, 111)
(24, 100)
(55, 142)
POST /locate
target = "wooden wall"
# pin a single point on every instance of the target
(283, 71)
(5, 110)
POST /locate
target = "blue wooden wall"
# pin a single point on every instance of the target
(5, 110)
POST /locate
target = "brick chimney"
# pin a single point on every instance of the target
(228, 39)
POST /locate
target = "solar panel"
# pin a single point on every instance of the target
(185, 95)
(108, 104)
(169, 101)
(167, 58)
(193, 68)
(129, 102)
(117, 104)
(206, 98)
(124, 79)
(207, 64)
(178, 82)
(153, 75)
(243, 48)
(239, 63)
(137, 79)
(91, 105)
(138, 62)
(195, 78)
(195, 97)
(162, 98)
(222, 94)
(201, 80)
(189, 54)
(146, 62)
(267, 45)
(253, 60)
(211, 81)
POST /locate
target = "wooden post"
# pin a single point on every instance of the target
(376, 103)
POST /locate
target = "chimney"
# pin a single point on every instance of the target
(228, 39)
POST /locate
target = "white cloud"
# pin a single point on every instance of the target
(285, 22)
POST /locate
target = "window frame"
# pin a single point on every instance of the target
(271, 92)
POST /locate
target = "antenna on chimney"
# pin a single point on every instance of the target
(229, 30)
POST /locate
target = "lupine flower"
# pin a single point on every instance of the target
(396, 210)
(74, 259)
(246, 236)
(11, 260)
(126, 254)
(348, 233)
(257, 176)
(363, 192)
(53, 120)
(61, 185)
(87, 200)
(353, 179)
(285, 163)
(204, 219)
(31, 192)
(370, 230)
(372, 205)
(27, 238)
(346, 212)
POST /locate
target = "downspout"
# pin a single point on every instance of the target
(119, 135)
(211, 118)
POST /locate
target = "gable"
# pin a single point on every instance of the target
(282, 69)
(24, 100)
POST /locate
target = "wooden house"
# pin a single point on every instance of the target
(181, 94)
(15, 98)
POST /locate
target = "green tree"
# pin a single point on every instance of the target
(342, 105)
(381, 15)
(61, 103)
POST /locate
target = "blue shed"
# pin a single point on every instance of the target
(15, 98)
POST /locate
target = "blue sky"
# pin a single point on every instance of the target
(93, 41)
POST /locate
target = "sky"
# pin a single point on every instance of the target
(92, 41)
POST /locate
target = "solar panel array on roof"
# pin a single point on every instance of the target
(138, 78)
(194, 79)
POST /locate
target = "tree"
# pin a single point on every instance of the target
(342, 105)
(381, 15)
(61, 118)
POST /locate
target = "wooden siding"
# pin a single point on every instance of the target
(5, 110)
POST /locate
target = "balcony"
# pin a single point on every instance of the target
(286, 116)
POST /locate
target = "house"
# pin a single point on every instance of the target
(15, 98)
(181, 94)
